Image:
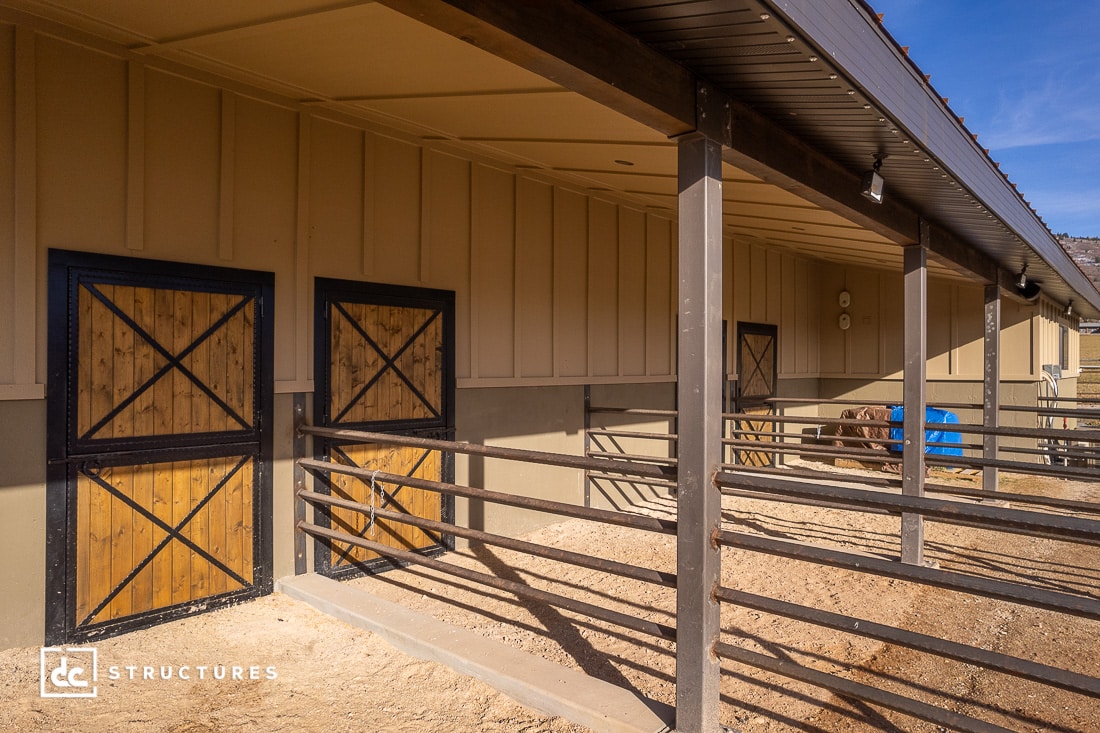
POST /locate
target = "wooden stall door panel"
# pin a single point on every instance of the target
(152, 536)
(162, 362)
(385, 363)
(407, 500)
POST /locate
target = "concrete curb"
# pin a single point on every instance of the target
(529, 680)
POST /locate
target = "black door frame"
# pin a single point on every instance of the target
(66, 455)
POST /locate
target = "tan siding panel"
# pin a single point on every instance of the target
(182, 168)
(449, 243)
(493, 272)
(970, 338)
(864, 333)
(264, 216)
(335, 199)
(658, 320)
(396, 186)
(603, 289)
(82, 122)
(7, 206)
(632, 294)
(939, 329)
(834, 341)
(535, 278)
(571, 283)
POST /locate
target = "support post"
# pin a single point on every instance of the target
(300, 566)
(699, 425)
(916, 359)
(991, 379)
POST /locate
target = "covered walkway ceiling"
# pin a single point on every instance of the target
(564, 93)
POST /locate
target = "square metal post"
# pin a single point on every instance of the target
(991, 391)
(699, 401)
(916, 359)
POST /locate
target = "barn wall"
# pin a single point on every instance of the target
(554, 288)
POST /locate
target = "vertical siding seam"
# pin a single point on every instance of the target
(366, 265)
(517, 306)
(555, 317)
(227, 187)
(620, 357)
(135, 156)
(25, 210)
(425, 214)
(302, 344)
(475, 234)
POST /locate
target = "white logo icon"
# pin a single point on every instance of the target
(68, 672)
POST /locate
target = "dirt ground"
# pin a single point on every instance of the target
(326, 676)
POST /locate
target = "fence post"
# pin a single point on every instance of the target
(915, 370)
(300, 564)
(991, 379)
(699, 424)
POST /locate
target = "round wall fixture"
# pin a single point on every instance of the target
(845, 322)
(844, 299)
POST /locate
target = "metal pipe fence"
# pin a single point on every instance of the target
(1000, 518)
(1055, 518)
(621, 468)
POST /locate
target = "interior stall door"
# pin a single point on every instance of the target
(757, 371)
(385, 363)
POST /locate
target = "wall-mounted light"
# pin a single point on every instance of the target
(1021, 281)
(872, 182)
(1069, 309)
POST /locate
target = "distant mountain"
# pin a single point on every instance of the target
(1085, 251)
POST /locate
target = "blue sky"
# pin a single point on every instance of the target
(1026, 76)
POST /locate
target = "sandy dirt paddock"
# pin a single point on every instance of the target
(326, 676)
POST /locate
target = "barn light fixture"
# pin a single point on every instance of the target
(1021, 281)
(873, 183)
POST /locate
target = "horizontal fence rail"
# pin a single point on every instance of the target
(621, 469)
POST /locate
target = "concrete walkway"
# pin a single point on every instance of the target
(532, 681)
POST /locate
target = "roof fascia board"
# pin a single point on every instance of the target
(848, 33)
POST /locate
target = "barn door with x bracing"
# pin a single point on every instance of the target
(159, 446)
(756, 377)
(384, 363)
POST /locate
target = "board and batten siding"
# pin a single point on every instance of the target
(554, 285)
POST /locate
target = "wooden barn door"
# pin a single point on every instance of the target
(159, 446)
(757, 370)
(384, 363)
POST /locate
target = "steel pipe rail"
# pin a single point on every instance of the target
(634, 411)
(635, 572)
(621, 519)
(988, 587)
(1046, 674)
(1075, 529)
(661, 631)
(632, 434)
(885, 482)
(473, 449)
(858, 691)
